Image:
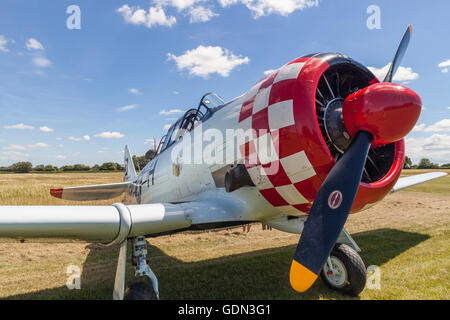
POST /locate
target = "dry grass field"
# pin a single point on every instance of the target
(407, 235)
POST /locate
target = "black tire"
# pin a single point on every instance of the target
(354, 267)
(140, 291)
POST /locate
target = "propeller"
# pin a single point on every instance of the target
(378, 114)
(399, 54)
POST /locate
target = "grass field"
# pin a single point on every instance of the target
(407, 235)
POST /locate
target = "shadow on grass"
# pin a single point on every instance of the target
(262, 274)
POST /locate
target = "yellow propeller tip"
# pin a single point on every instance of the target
(301, 277)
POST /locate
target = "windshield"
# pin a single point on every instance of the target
(209, 103)
(170, 134)
(212, 100)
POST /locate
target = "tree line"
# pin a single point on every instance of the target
(424, 163)
(141, 161)
(27, 167)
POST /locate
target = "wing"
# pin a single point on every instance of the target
(115, 223)
(100, 191)
(406, 182)
(94, 192)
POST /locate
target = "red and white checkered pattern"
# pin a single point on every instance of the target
(272, 153)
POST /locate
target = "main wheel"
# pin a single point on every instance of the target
(348, 274)
(140, 291)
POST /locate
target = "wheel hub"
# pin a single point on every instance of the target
(337, 274)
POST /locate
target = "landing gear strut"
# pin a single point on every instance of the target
(140, 290)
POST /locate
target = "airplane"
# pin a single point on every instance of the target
(318, 139)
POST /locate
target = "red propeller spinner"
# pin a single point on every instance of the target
(388, 111)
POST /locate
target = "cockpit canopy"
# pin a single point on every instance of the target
(210, 103)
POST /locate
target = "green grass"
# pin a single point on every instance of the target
(414, 265)
(412, 248)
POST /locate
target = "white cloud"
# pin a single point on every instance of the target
(179, 4)
(440, 126)
(403, 73)
(135, 91)
(227, 3)
(444, 64)
(154, 16)
(14, 147)
(419, 127)
(31, 146)
(270, 71)
(33, 44)
(38, 145)
(200, 14)
(436, 148)
(261, 8)
(83, 138)
(126, 108)
(15, 155)
(46, 129)
(169, 112)
(175, 92)
(204, 61)
(19, 126)
(60, 157)
(3, 43)
(110, 135)
(41, 62)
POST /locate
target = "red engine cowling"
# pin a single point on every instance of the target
(293, 106)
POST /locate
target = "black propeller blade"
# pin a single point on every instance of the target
(329, 213)
(399, 54)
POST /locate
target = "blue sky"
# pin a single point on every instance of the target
(79, 95)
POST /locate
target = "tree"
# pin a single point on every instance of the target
(139, 162)
(108, 166)
(22, 167)
(81, 167)
(25, 167)
(67, 168)
(39, 168)
(50, 168)
(408, 163)
(427, 164)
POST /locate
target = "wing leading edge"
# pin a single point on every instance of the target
(410, 181)
(115, 223)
